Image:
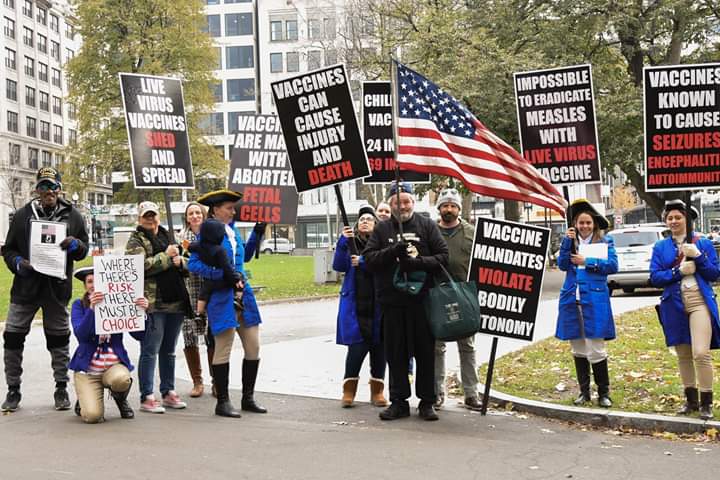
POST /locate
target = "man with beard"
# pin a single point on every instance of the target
(459, 236)
(32, 291)
(403, 268)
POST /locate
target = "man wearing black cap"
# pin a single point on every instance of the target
(403, 266)
(32, 291)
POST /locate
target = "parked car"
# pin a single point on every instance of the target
(634, 245)
(277, 245)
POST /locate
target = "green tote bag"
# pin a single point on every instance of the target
(453, 310)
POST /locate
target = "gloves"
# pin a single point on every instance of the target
(400, 249)
(687, 267)
(690, 250)
(70, 244)
(410, 264)
(259, 228)
(23, 267)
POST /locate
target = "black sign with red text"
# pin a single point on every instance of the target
(508, 264)
(556, 118)
(259, 168)
(321, 131)
(378, 135)
(157, 131)
(682, 127)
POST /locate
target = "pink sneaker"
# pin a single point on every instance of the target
(172, 400)
(150, 405)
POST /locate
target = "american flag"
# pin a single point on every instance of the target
(437, 134)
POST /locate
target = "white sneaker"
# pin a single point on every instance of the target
(150, 405)
(172, 400)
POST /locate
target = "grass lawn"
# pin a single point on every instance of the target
(643, 371)
(283, 276)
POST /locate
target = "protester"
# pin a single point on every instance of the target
(383, 211)
(223, 318)
(32, 291)
(459, 236)
(194, 325)
(358, 321)
(100, 361)
(688, 310)
(168, 303)
(584, 314)
(403, 268)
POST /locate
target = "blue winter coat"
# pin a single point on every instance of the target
(348, 329)
(664, 273)
(83, 323)
(220, 309)
(594, 295)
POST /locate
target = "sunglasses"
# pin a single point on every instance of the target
(48, 187)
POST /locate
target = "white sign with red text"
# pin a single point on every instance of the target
(121, 279)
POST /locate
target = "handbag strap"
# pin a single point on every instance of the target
(453, 283)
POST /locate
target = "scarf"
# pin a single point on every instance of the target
(364, 296)
(170, 285)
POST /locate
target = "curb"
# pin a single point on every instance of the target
(596, 417)
(297, 299)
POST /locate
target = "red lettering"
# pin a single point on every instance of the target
(330, 173)
(501, 278)
(160, 139)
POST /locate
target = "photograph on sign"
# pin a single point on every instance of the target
(320, 128)
(508, 265)
(682, 127)
(120, 278)
(46, 256)
(260, 170)
(378, 136)
(157, 131)
(556, 120)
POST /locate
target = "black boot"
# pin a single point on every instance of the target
(602, 380)
(61, 397)
(691, 401)
(582, 370)
(706, 405)
(223, 407)
(249, 375)
(120, 398)
(77, 408)
(397, 409)
(12, 400)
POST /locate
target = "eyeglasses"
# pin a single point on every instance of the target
(366, 219)
(45, 187)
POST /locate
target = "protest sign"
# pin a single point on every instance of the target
(46, 256)
(508, 263)
(556, 119)
(378, 135)
(259, 168)
(320, 128)
(157, 131)
(682, 127)
(120, 278)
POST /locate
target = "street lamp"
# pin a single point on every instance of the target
(75, 197)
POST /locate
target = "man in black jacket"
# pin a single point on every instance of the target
(411, 259)
(32, 290)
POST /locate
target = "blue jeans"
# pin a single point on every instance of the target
(356, 355)
(161, 336)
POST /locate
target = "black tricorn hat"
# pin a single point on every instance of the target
(581, 205)
(219, 196)
(82, 273)
(678, 204)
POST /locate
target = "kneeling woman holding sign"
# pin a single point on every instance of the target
(688, 311)
(585, 317)
(100, 361)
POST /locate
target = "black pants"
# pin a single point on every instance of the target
(356, 356)
(407, 334)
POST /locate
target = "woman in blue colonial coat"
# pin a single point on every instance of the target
(688, 309)
(585, 317)
(358, 321)
(224, 319)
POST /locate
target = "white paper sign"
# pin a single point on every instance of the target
(46, 256)
(594, 250)
(121, 279)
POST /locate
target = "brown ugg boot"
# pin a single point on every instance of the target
(349, 391)
(377, 387)
(192, 357)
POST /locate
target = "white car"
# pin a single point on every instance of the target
(634, 246)
(277, 245)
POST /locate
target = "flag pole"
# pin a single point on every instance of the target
(343, 213)
(395, 115)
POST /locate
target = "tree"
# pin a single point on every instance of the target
(156, 37)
